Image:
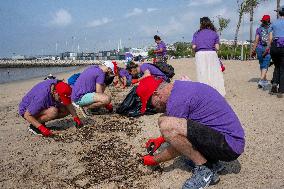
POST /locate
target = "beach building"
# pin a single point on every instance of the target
(68, 56)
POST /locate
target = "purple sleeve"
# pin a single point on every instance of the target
(217, 39)
(101, 78)
(194, 39)
(36, 106)
(257, 32)
(143, 68)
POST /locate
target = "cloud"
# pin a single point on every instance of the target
(134, 12)
(61, 18)
(203, 2)
(151, 9)
(98, 22)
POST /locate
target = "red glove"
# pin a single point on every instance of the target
(109, 107)
(149, 160)
(45, 131)
(77, 121)
(134, 81)
(153, 144)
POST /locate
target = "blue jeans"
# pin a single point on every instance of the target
(263, 61)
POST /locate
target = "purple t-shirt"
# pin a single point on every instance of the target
(261, 31)
(205, 40)
(86, 82)
(203, 104)
(38, 98)
(124, 73)
(153, 70)
(164, 47)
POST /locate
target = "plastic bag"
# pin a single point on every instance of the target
(131, 105)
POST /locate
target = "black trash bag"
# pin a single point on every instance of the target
(131, 105)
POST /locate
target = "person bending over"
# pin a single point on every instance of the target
(46, 101)
(198, 124)
(88, 90)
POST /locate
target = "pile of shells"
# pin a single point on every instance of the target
(111, 161)
(129, 126)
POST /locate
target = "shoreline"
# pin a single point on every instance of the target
(46, 63)
(59, 75)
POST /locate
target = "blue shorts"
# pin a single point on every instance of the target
(263, 61)
(87, 99)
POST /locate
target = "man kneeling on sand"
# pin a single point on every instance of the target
(198, 123)
(48, 100)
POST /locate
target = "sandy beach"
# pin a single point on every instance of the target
(105, 153)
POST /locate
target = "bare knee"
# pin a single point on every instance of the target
(105, 99)
(171, 127)
(51, 112)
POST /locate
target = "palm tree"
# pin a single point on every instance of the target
(223, 24)
(246, 6)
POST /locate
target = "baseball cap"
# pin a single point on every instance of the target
(265, 18)
(109, 64)
(64, 91)
(145, 90)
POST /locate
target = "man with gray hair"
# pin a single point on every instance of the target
(198, 123)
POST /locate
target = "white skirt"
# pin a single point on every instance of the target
(208, 70)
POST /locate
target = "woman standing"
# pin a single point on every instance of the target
(276, 39)
(261, 48)
(205, 43)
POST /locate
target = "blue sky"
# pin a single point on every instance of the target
(30, 27)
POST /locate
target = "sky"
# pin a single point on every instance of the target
(33, 27)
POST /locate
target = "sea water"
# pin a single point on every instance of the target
(16, 74)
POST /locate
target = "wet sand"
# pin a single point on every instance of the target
(105, 153)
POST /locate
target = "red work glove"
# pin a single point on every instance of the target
(109, 107)
(134, 81)
(77, 121)
(153, 144)
(45, 131)
(149, 160)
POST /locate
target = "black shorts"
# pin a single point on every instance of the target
(210, 143)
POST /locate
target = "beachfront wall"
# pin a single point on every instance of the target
(45, 63)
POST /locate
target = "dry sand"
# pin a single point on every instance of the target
(104, 153)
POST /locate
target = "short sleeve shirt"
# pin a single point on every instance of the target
(278, 28)
(163, 46)
(124, 73)
(153, 70)
(205, 40)
(203, 104)
(260, 32)
(86, 82)
(38, 98)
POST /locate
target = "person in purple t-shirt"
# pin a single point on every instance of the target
(161, 49)
(46, 101)
(122, 78)
(198, 123)
(261, 48)
(88, 90)
(144, 70)
(205, 42)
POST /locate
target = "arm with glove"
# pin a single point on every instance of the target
(76, 119)
(41, 127)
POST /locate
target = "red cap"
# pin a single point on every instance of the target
(64, 91)
(146, 88)
(265, 18)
